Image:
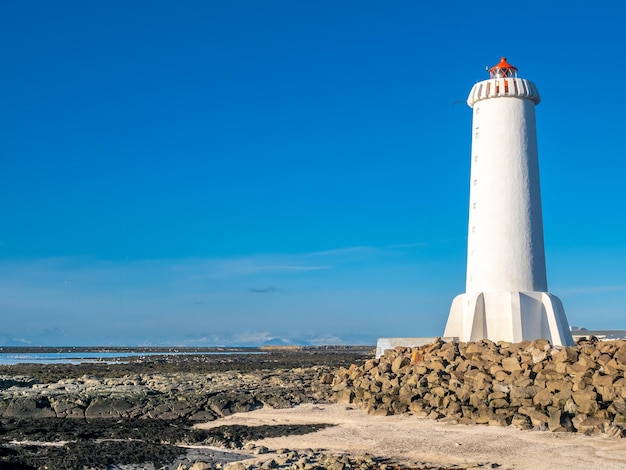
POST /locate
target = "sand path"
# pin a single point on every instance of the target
(407, 438)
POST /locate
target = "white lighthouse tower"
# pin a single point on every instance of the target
(506, 294)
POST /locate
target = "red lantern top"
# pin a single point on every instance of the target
(503, 70)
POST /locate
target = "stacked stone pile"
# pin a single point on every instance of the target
(530, 385)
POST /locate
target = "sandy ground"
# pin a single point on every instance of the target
(410, 439)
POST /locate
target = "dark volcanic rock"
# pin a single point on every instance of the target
(199, 387)
(29, 407)
(109, 408)
(114, 414)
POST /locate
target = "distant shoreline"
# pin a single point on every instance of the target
(169, 349)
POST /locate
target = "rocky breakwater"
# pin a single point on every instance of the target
(530, 385)
(163, 396)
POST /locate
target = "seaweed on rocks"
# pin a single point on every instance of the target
(235, 436)
(100, 455)
(62, 444)
(61, 430)
(155, 431)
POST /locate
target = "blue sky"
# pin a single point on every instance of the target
(233, 172)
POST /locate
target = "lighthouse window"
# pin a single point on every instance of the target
(475, 158)
(477, 110)
(474, 206)
(475, 182)
(476, 134)
(473, 229)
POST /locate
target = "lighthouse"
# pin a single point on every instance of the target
(506, 295)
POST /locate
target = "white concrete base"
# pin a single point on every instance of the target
(389, 343)
(509, 316)
(602, 335)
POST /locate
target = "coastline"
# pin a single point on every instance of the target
(251, 411)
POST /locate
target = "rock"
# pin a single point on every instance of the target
(618, 406)
(345, 396)
(538, 355)
(564, 354)
(586, 401)
(537, 417)
(399, 363)
(558, 385)
(498, 421)
(271, 463)
(202, 415)
(543, 397)
(602, 380)
(382, 411)
(559, 421)
(499, 403)
(234, 466)
(561, 398)
(577, 369)
(590, 425)
(206, 466)
(540, 344)
(615, 430)
(521, 421)
(108, 408)
(524, 392)
(328, 378)
(511, 364)
(29, 408)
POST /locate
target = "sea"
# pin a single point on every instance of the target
(12, 356)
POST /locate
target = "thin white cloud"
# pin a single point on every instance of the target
(365, 250)
(290, 268)
(408, 245)
(251, 268)
(254, 338)
(341, 251)
(205, 340)
(325, 339)
(66, 274)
